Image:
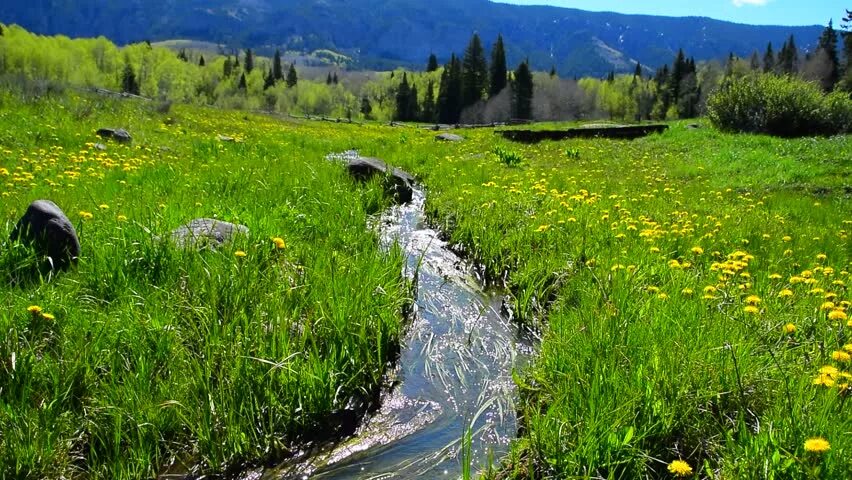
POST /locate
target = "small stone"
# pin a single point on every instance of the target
(120, 135)
(207, 233)
(45, 227)
(449, 137)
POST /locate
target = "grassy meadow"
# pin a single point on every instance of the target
(691, 289)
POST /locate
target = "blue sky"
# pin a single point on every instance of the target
(758, 12)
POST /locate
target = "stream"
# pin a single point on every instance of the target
(454, 375)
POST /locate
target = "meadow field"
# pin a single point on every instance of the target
(691, 288)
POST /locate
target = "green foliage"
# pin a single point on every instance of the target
(522, 92)
(782, 106)
(510, 158)
(498, 74)
(474, 72)
(432, 64)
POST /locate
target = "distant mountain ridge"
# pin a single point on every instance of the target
(389, 33)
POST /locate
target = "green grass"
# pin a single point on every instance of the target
(158, 353)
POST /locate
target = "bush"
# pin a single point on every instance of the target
(508, 157)
(782, 106)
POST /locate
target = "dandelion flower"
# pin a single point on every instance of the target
(680, 468)
(687, 291)
(240, 253)
(817, 445)
(279, 243)
(838, 315)
(789, 329)
(751, 309)
(48, 316)
(34, 309)
(785, 293)
(753, 300)
(775, 276)
(86, 215)
(827, 306)
(697, 250)
(122, 218)
(841, 356)
(103, 206)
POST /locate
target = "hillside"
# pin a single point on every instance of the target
(387, 33)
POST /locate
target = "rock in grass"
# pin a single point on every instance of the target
(225, 138)
(207, 233)
(120, 135)
(449, 137)
(45, 227)
(100, 146)
(397, 183)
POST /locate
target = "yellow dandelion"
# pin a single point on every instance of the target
(240, 253)
(687, 291)
(103, 206)
(753, 300)
(86, 215)
(785, 293)
(709, 289)
(698, 250)
(821, 257)
(848, 347)
(787, 238)
(279, 243)
(775, 276)
(789, 329)
(841, 356)
(827, 306)
(817, 445)
(680, 468)
(824, 380)
(838, 315)
(655, 249)
(543, 228)
(751, 309)
(829, 370)
(48, 316)
(34, 309)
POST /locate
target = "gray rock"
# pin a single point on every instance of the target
(207, 233)
(224, 138)
(120, 135)
(100, 146)
(449, 137)
(397, 182)
(45, 227)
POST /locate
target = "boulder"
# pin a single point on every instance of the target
(397, 182)
(120, 135)
(45, 227)
(449, 137)
(207, 233)
(100, 146)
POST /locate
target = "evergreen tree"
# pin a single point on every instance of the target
(847, 48)
(679, 68)
(129, 84)
(474, 72)
(769, 59)
(413, 107)
(450, 92)
(201, 61)
(788, 58)
(228, 67)
(242, 85)
(522, 92)
(328, 79)
(292, 76)
(249, 62)
(182, 55)
(638, 72)
(403, 100)
(429, 103)
(366, 107)
(1, 30)
(277, 70)
(552, 71)
(828, 44)
(754, 62)
(661, 78)
(610, 77)
(236, 60)
(334, 79)
(432, 64)
(690, 92)
(498, 74)
(268, 80)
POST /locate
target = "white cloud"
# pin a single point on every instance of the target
(753, 3)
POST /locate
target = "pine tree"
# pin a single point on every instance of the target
(552, 73)
(413, 107)
(450, 92)
(334, 79)
(366, 107)
(769, 59)
(432, 64)
(788, 59)
(328, 79)
(228, 67)
(129, 84)
(610, 76)
(292, 76)
(268, 80)
(678, 72)
(828, 44)
(1, 30)
(474, 72)
(201, 62)
(429, 103)
(403, 94)
(498, 74)
(847, 47)
(182, 55)
(249, 62)
(277, 71)
(242, 85)
(754, 62)
(638, 72)
(522, 92)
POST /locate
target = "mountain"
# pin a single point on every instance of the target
(388, 33)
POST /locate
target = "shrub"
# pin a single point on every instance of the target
(782, 106)
(508, 157)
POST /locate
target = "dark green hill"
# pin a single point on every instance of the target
(404, 32)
